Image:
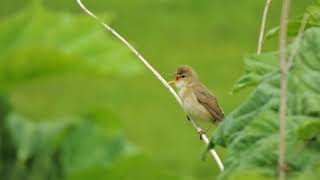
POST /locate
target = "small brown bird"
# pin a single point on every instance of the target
(199, 103)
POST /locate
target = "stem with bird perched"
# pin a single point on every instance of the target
(163, 81)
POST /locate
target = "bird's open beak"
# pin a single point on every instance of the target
(172, 82)
(175, 80)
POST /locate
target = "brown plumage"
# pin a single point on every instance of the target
(197, 100)
(209, 101)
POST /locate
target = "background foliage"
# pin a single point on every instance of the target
(250, 132)
(76, 104)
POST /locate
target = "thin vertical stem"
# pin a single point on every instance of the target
(283, 88)
(263, 25)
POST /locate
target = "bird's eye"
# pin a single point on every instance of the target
(183, 76)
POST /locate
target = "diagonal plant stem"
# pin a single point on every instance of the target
(163, 81)
(283, 88)
(263, 25)
(297, 41)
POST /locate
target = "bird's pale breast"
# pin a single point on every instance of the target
(193, 107)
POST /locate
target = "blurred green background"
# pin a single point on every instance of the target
(55, 66)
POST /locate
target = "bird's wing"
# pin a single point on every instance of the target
(208, 101)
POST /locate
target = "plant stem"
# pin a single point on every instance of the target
(263, 25)
(283, 88)
(163, 81)
(297, 41)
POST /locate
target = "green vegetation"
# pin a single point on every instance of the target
(76, 104)
(251, 132)
(50, 129)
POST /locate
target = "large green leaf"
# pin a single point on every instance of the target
(251, 131)
(61, 62)
(36, 43)
(71, 148)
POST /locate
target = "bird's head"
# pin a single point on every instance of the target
(184, 76)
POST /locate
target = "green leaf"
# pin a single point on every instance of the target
(313, 11)
(61, 62)
(86, 148)
(71, 44)
(257, 70)
(73, 148)
(251, 131)
(31, 138)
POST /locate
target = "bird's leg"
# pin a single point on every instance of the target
(200, 134)
(205, 131)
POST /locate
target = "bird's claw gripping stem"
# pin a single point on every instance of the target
(201, 133)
